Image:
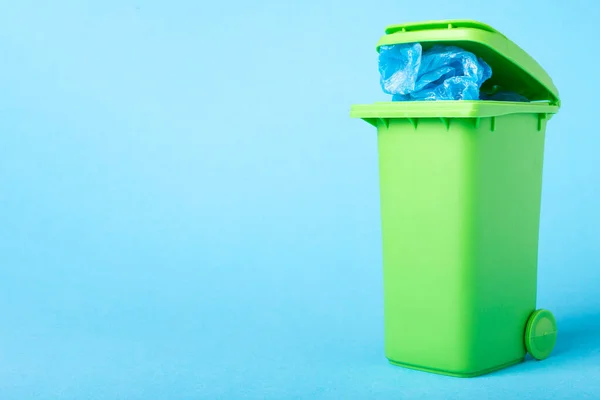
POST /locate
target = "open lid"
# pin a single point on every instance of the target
(512, 68)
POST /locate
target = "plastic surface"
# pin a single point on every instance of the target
(460, 215)
(460, 192)
(440, 73)
(540, 335)
(513, 69)
(448, 109)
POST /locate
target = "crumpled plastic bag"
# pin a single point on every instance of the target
(440, 73)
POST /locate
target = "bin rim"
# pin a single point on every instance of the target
(512, 67)
(449, 109)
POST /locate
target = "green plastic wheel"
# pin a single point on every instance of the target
(540, 334)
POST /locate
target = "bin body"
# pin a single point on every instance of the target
(460, 207)
(460, 185)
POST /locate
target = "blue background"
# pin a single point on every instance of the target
(187, 211)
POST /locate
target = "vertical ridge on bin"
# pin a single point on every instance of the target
(446, 122)
(413, 122)
(541, 118)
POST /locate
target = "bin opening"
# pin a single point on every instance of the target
(442, 72)
(513, 70)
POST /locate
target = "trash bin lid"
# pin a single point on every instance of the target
(512, 68)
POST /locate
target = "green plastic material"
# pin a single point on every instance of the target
(460, 186)
(540, 335)
(448, 109)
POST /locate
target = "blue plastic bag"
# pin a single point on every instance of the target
(440, 73)
(503, 95)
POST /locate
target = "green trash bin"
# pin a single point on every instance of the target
(460, 185)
